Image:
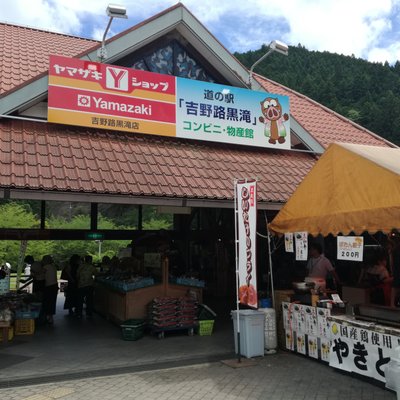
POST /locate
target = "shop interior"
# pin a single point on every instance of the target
(192, 256)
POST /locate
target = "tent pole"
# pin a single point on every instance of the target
(270, 265)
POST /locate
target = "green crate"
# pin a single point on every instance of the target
(206, 327)
(133, 329)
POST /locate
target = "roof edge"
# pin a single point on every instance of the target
(90, 197)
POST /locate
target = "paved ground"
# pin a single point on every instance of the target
(94, 347)
(88, 360)
(280, 376)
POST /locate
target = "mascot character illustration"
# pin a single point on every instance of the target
(273, 120)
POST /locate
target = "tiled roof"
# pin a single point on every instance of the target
(55, 157)
(323, 124)
(25, 52)
(37, 155)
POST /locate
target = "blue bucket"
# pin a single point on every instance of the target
(265, 303)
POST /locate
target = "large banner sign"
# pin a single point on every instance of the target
(361, 350)
(217, 113)
(246, 215)
(91, 94)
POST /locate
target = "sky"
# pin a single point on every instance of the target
(368, 29)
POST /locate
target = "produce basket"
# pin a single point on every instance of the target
(206, 327)
(10, 334)
(31, 312)
(133, 329)
(24, 326)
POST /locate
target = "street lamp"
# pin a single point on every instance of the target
(113, 11)
(276, 46)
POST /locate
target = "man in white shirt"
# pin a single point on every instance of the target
(318, 266)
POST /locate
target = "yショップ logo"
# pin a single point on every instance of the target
(117, 79)
(83, 100)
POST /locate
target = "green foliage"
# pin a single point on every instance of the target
(154, 221)
(65, 248)
(157, 224)
(19, 215)
(13, 215)
(367, 93)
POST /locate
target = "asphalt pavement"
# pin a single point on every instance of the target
(280, 376)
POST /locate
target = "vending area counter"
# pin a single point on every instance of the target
(124, 302)
(362, 347)
(344, 341)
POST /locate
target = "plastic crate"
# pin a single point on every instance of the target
(24, 326)
(206, 327)
(32, 314)
(5, 285)
(190, 282)
(133, 329)
(10, 333)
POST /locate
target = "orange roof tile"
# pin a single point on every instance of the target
(51, 157)
(56, 157)
(25, 52)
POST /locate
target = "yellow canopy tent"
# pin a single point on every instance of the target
(351, 188)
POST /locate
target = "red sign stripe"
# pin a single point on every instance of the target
(82, 100)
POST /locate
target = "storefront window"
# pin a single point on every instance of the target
(67, 215)
(155, 220)
(19, 214)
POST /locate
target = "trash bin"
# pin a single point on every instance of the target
(270, 339)
(251, 332)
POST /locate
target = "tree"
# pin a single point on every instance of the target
(342, 83)
(15, 215)
(66, 248)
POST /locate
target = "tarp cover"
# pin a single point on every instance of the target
(351, 188)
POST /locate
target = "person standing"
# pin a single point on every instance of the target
(27, 272)
(379, 279)
(85, 274)
(69, 273)
(394, 257)
(50, 289)
(37, 274)
(318, 266)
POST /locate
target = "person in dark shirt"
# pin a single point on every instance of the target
(69, 273)
(394, 260)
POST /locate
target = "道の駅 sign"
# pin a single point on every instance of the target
(91, 94)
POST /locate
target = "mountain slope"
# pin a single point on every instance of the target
(367, 93)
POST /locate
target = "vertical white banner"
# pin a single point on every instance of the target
(246, 197)
(301, 240)
(312, 346)
(289, 245)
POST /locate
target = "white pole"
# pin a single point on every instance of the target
(100, 241)
(22, 251)
(237, 269)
